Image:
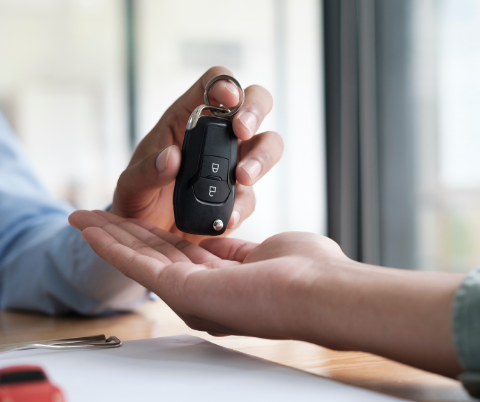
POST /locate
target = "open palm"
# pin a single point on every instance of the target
(224, 286)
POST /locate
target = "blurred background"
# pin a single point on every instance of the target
(82, 81)
(377, 102)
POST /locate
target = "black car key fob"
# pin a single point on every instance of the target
(204, 192)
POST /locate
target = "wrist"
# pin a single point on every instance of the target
(335, 291)
(399, 314)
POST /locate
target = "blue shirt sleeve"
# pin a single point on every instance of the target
(45, 265)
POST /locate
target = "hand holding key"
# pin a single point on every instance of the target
(204, 194)
(145, 189)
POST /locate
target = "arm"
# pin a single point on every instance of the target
(44, 263)
(402, 315)
(292, 286)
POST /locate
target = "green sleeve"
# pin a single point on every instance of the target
(466, 331)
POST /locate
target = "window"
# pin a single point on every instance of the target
(403, 131)
(64, 89)
(447, 94)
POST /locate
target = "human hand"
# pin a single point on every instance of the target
(227, 287)
(292, 286)
(145, 189)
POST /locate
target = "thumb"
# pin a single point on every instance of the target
(139, 183)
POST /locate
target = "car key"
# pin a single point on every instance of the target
(204, 192)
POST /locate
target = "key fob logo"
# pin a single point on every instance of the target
(212, 191)
(215, 167)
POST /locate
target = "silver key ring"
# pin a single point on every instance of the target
(231, 79)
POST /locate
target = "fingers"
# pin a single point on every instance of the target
(157, 242)
(257, 156)
(141, 180)
(139, 267)
(159, 250)
(258, 103)
(224, 92)
(168, 245)
(194, 253)
(244, 206)
(227, 248)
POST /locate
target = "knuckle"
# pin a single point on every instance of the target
(174, 120)
(271, 147)
(264, 156)
(123, 179)
(265, 92)
(274, 136)
(146, 167)
(263, 97)
(256, 107)
(277, 138)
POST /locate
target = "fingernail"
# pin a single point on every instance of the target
(249, 121)
(234, 219)
(232, 88)
(252, 167)
(162, 160)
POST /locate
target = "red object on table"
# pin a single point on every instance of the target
(27, 384)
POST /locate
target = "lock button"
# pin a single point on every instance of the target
(215, 166)
(208, 190)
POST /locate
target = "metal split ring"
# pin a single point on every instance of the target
(229, 112)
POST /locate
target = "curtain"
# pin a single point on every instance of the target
(368, 98)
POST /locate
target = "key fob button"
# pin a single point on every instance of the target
(215, 166)
(214, 191)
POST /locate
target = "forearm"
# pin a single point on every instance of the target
(402, 315)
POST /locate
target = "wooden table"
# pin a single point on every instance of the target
(155, 319)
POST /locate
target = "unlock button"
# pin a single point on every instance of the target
(211, 190)
(215, 166)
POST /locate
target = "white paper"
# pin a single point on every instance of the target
(180, 368)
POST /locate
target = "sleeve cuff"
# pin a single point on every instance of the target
(466, 331)
(466, 322)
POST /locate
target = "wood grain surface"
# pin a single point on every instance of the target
(155, 319)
